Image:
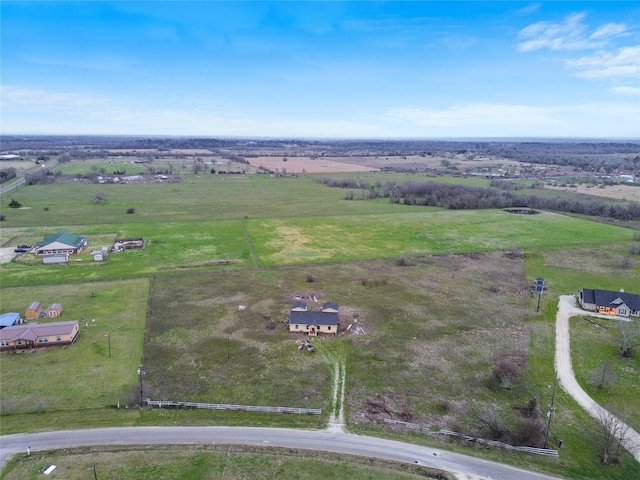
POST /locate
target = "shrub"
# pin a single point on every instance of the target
(14, 204)
(634, 249)
(506, 372)
(131, 210)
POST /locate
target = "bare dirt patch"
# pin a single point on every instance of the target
(308, 165)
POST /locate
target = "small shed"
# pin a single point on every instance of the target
(33, 311)
(54, 310)
(55, 258)
(98, 257)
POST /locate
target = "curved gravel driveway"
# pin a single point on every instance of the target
(568, 308)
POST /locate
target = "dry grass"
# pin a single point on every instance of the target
(620, 191)
(592, 260)
(308, 165)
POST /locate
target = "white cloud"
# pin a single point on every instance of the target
(568, 35)
(485, 119)
(626, 90)
(473, 114)
(35, 97)
(528, 9)
(609, 30)
(608, 65)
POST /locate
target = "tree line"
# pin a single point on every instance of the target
(462, 197)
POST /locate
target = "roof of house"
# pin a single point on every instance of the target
(34, 330)
(299, 304)
(611, 298)
(63, 237)
(9, 318)
(54, 306)
(332, 305)
(314, 317)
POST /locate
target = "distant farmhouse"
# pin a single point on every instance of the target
(60, 243)
(302, 320)
(38, 335)
(610, 303)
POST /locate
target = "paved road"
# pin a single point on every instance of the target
(568, 308)
(464, 466)
(7, 188)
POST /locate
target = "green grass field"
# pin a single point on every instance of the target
(217, 463)
(434, 328)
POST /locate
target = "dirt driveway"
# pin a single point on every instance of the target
(6, 254)
(568, 308)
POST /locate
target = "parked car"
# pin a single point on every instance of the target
(24, 246)
(20, 250)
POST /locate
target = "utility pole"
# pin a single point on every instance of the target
(539, 289)
(550, 411)
(140, 372)
(95, 475)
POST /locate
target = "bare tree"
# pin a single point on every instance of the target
(99, 197)
(628, 337)
(613, 435)
(603, 376)
(490, 422)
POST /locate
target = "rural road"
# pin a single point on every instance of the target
(568, 308)
(464, 467)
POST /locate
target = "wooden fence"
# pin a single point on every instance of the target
(225, 406)
(414, 426)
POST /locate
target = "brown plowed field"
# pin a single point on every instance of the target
(307, 165)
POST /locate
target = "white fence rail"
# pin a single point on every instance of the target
(414, 426)
(225, 406)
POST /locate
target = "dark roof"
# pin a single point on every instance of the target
(299, 304)
(332, 305)
(314, 317)
(610, 298)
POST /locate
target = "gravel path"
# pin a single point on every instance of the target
(568, 308)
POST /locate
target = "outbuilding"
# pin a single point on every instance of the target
(54, 310)
(33, 311)
(9, 319)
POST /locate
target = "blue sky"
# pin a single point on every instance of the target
(417, 69)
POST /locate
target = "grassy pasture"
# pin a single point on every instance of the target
(81, 375)
(289, 240)
(593, 341)
(178, 462)
(199, 199)
(101, 167)
(415, 338)
(304, 239)
(462, 310)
